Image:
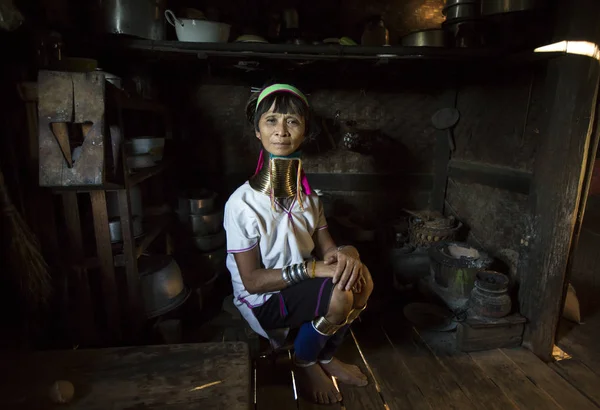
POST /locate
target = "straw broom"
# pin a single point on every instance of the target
(25, 261)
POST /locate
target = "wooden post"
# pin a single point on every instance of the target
(558, 181)
(129, 252)
(556, 192)
(103, 246)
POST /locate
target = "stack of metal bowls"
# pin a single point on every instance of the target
(202, 220)
(114, 215)
(198, 215)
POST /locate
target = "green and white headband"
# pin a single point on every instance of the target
(280, 87)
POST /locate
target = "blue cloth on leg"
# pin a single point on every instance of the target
(333, 343)
(309, 343)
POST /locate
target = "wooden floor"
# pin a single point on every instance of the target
(407, 372)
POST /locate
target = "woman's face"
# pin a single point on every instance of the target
(280, 134)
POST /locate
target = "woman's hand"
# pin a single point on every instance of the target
(348, 268)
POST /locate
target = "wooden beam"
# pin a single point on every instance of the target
(559, 176)
(104, 249)
(572, 82)
(131, 269)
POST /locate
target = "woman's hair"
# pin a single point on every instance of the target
(285, 103)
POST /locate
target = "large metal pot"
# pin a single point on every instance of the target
(200, 202)
(140, 18)
(162, 284)
(461, 11)
(203, 224)
(425, 38)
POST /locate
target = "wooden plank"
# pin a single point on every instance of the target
(274, 389)
(81, 292)
(572, 86)
(580, 376)
(104, 250)
(486, 174)
(581, 341)
(539, 373)
(391, 375)
(436, 383)
(131, 269)
(512, 381)
(476, 385)
(206, 375)
(353, 397)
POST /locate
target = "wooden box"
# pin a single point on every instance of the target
(486, 333)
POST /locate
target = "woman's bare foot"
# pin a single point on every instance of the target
(346, 373)
(315, 385)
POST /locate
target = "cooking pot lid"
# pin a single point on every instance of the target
(153, 263)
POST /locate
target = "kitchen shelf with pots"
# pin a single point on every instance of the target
(328, 51)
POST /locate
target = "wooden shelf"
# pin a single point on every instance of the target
(325, 52)
(146, 173)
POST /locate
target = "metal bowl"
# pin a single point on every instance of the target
(425, 38)
(147, 146)
(463, 11)
(162, 284)
(140, 161)
(203, 224)
(210, 242)
(198, 202)
(116, 233)
(490, 7)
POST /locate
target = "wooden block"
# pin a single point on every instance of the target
(66, 98)
(482, 334)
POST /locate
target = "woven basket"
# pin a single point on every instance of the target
(422, 234)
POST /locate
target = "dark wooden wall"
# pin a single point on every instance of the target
(490, 170)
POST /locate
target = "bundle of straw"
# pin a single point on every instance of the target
(26, 263)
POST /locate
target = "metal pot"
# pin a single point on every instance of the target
(425, 38)
(462, 11)
(135, 202)
(116, 234)
(203, 224)
(199, 202)
(210, 242)
(140, 18)
(490, 7)
(162, 284)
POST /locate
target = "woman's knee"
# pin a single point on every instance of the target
(340, 305)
